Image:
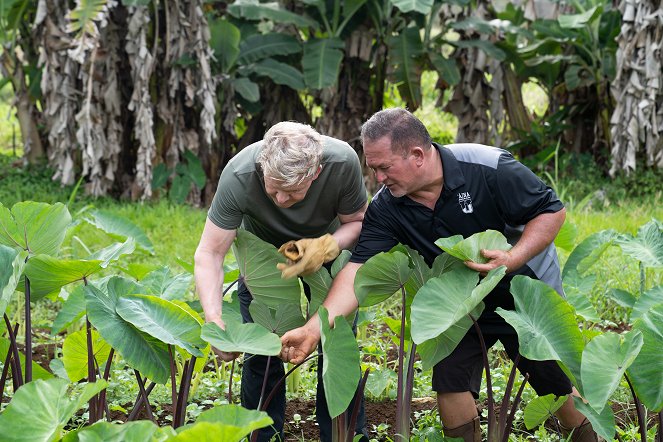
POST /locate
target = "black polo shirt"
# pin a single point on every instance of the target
(484, 188)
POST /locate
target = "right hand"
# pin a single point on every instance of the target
(224, 355)
(298, 344)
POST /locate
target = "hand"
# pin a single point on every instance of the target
(298, 344)
(495, 258)
(224, 355)
(307, 255)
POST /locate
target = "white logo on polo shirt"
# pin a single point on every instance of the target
(465, 201)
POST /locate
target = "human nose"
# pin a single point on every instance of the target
(380, 176)
(282, 197)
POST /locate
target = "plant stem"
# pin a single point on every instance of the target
(230, 382)
(28, 333)
(139, 401)
(185, 385)
(254, 434)
(91, 375)
(492, 435)
(173, 386)
(359, 394)
(514, 408)
(17, 375)
(282, 380)
(402, 433)
(501, 425)
(141, 387)
(5, 371)
(638, 410)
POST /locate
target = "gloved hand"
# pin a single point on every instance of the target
(306, 256)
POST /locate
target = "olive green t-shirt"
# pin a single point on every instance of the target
(241, 200)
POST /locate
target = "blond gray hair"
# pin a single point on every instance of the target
(291, 153)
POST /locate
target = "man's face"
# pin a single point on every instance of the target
(391, 169)
(287, 196)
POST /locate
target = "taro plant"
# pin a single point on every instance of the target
(277, 308)
(430, 324)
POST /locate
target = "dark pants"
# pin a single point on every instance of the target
(253, 372)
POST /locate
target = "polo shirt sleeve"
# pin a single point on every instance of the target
(520, 194)
(353, 194)
(226, 211)
(375, 236)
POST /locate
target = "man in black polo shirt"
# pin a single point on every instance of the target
(430, 191)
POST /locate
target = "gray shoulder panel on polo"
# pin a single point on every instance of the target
(476, 153)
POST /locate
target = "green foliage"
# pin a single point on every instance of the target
(187, 174)
(469, 249)
(250, 338)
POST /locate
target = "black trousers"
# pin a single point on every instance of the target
(253, 373)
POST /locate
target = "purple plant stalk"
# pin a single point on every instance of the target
(141, 387)
(28, 333)
(230, 382)
(402, 419)
(102, 404)
(139, 401)
(514, 408)
(91, 374)
(640, 412)
(254, 434)
(356, 405)
(183, 397)
(173, 385)
(492, 433)
(17, 374)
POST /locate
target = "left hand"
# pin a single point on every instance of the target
(495, 258)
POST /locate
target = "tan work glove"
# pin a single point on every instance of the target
(306, 256)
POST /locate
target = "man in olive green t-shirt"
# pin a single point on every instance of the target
(293, 186)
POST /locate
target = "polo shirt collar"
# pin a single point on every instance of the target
(452, 173)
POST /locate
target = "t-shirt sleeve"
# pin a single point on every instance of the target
(353, 195)
(226, 211)
(376, 235)
(520, 194)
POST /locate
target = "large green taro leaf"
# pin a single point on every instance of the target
(445, 300)
(340, 262)
(380, 277)
(12, 263)
(545, 323)
(163, 283)
(119, 228)
(434, 350)
(250, 338)
(646, 301)
(603, 423)
(228, 423)
(589, 251)
(163, 320)
(340, 367)
(257, 261)
(646, 246)
(286, 317)
(113, 252)
(645, 372)
(35, 227)
(146, 431)
(72, 310)
(319, 283)
(541, 408)
(74, 353)
(48, 274)
(140, 350)
(470, 249)
(577, 289)
(40, 409)
(420, 272)
(604, 361)
(421, 6)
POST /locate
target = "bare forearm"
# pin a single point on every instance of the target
(346, 235)
(209, 275)
(341, 300)
(537, 235)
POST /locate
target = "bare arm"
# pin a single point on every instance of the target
(348, 233)
(537, 235)
(297, 344)
(208, 272)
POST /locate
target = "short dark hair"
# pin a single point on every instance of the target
(400, 125)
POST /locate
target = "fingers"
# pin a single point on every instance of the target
(224, 355)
